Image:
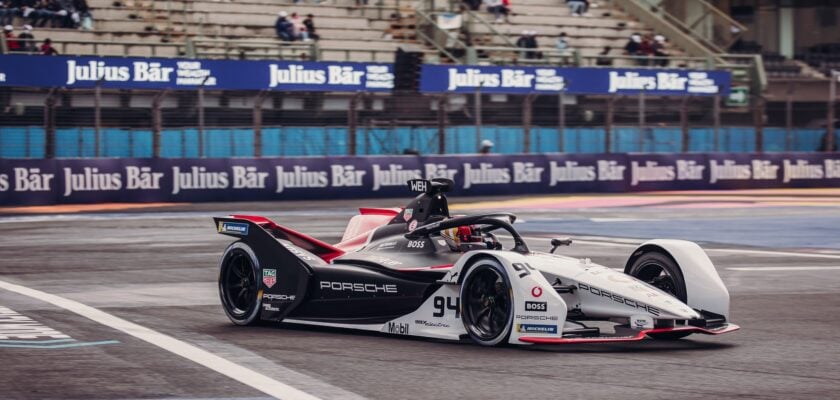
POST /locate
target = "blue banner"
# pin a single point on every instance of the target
(163, 73)
(524, 80)
(167, 73)
(57, 181)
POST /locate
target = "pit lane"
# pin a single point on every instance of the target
(158, 269)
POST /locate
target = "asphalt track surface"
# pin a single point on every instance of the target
(157, 269)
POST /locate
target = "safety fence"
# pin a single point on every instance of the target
(69, 123)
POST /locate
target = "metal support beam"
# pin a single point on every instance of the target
(561, 121)
(642, 111)
(758, 117)
(257, 122)
(441, 119)
(49, 123)
(684, 124)
(789, 117)
(527, 118)
(352, 123)
(609, 124)
(716, 124)
(831, 135)
(157, 123)
(97, 119)
(478, 121)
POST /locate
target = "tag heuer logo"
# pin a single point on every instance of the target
(407, 213)
(269, 277)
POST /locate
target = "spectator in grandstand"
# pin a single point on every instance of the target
(360, 3)
(660, 50)
(27, 40)
(284, 28)
(603, 60)
(485, 147)
(577, 7)
(562, 44)
(646, 49)
(69, 15)
(309, 23)
(8, 12)
(11, 42)
(522, 42)
(474, 5)
(528, 40)
(497, 7)
(298, 28)
(47, 49)
(634, 45)
(40, 12)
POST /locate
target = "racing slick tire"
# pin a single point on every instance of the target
(658, 269)
(487, 303)
(239, 284)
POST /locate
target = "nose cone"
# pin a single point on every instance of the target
(611, 293)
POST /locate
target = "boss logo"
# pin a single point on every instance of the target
(536, 306)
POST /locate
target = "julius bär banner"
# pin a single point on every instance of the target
(167, 73)
(34, 182)
(523, 80)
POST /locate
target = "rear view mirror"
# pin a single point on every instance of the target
(561, 241)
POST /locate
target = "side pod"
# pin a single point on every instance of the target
(704, 288)
(283, 268)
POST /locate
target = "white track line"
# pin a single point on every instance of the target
(762, 269)
(232, 370)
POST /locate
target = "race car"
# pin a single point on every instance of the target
(419, 271)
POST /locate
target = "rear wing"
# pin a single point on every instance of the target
(241, 225)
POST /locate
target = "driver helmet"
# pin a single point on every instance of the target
(466, 238)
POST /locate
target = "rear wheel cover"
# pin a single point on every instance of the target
(487, 302)
(239, 284)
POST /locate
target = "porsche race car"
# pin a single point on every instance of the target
(420, 271)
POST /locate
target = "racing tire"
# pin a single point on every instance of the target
(658, 269)
(239, 284)
(487, 303)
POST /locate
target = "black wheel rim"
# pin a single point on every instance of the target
(239, 283)
(488, 303)
(656, 275)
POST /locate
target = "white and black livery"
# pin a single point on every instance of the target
(419, 271)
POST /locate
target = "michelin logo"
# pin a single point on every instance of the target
(235, 228)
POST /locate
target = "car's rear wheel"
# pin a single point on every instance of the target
(239, 285)
(661, 271)
(487, 301)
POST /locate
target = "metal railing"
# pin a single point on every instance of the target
(441, 39)
(710, 25)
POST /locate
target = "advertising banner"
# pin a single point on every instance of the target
(62, 181)
(522, 80)
(168, 73)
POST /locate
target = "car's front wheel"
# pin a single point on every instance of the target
(239, 285)
(487, 302)
(658, 269)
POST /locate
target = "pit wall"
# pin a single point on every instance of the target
(29, 142)
(57, 181)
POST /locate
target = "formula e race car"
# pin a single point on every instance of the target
(419, 271)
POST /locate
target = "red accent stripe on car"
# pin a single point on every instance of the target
(639, 336)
